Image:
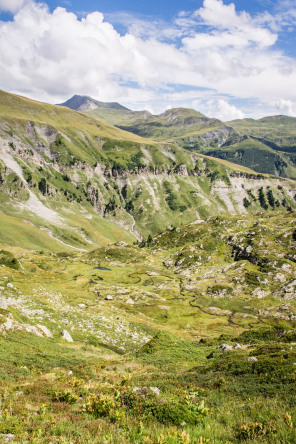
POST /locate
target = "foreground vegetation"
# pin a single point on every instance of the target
(188, 337)
(94, 398)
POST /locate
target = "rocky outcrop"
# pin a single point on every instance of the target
(9, 324)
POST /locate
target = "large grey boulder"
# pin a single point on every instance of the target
(66, 336)
(45, 331)
(224, 347)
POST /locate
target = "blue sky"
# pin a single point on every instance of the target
(227, 59)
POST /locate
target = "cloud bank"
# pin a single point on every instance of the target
(11, 5)
(217, 57)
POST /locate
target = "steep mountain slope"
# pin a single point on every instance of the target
(271, 140)
(84, 182)
(267, 145)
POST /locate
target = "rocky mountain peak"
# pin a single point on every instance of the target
(86, 103)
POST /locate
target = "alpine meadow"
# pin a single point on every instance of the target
(147, 222)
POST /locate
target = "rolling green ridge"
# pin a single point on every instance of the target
(84, 183)
(271, 140)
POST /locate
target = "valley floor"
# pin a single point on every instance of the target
(188, 337)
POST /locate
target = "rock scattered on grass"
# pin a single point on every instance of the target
(130, 301)
(224, 347)
(66, 336)
(45, 331)
(7, 437)
(144, 390)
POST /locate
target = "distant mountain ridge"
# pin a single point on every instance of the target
(266, 145)
(86, 103)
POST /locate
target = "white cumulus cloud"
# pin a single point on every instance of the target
(286, 107)
(11, 5)
(222, 110)
(213, 54)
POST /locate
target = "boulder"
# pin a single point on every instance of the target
(144, 390)
(155, 390)
(130, 301)
(224, 347)
(66, 336)
(121, 244)
(32, 329)
(109, 297)
(252, 359)
(45, 331)
(3, 303)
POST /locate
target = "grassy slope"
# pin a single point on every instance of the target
(185, 285)
(20, 108)
(258, 156)
(188, 128)
(170, 126)
(275, 126)
(144, 203)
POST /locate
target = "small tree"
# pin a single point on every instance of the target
(42, 185)
(246, 202)
(262, 199)
(270, 198)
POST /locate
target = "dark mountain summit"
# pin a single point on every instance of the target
(85, 103)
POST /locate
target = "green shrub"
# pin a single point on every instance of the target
(246, 202)
(270, 198)
(7, 259)
(65, 396)
(262, 199)
(42, 185)
(103, 406)
(165, 411)
(256, 430)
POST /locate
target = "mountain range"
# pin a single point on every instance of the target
(267, 145)
(147, 290)
(69, 173)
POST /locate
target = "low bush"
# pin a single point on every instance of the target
(256, 430)
(65, 396)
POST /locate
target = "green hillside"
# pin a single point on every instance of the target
(259, 156)
(271, 140)
(84, 183)
(183, 125)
